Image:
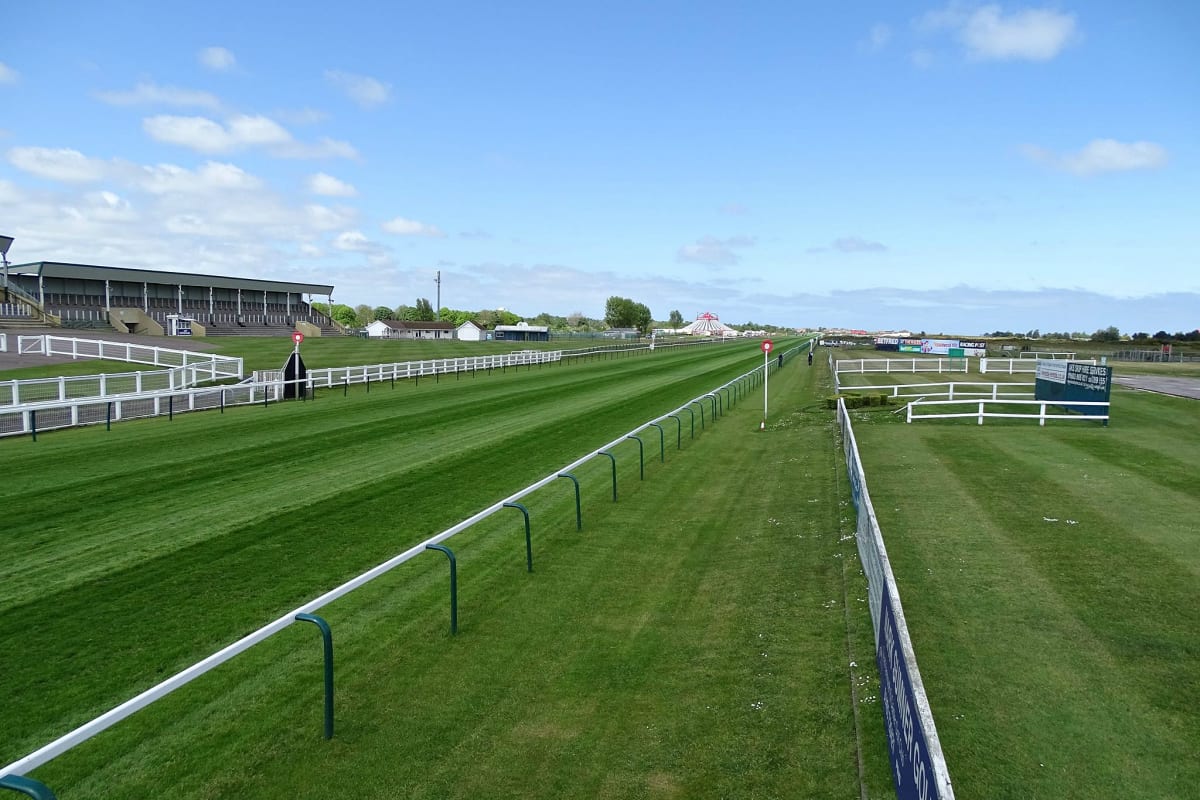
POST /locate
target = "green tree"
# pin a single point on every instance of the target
(364, 315)
(675, 320)
(345, 315)
(383, 312)
(424, 309)
(1109, 334)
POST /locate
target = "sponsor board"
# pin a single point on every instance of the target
(1065, 382)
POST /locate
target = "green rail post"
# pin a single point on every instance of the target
(345, 385)
(662, 442)
(641, 459)
(678, 431)
(27, 786)
(578, 505)
(614, 471)
(728, 397)
(33, 424)
(108, 416)
(327, 647)
(712, 399)
(701, 404)
(170, 407)
(688, 408)
(453, 583)
(528, 543)
(222, 401)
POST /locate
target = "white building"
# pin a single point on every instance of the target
(470, 331)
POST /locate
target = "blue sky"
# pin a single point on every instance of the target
(954, 167)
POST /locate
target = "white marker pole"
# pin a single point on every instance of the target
(766, 373)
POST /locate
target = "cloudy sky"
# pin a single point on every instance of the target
(960, 168)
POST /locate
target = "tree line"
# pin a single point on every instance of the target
(1110, 334)
(619, 312)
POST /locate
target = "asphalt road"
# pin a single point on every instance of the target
(1179, 387)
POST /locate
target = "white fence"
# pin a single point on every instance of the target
(1015, 365)
(918, 765)
(109, 718)
(30, 418)
(339, 376)
(3, 342)
(950, 389)
(124, 351)
(861, 365)
(980, 410)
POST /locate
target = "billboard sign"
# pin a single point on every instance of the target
(1065, 382)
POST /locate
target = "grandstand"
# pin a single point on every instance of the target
(147, 301)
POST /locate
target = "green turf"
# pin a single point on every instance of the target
(629, 664)
(1049, 577)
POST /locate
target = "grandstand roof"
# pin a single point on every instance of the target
(59, 269)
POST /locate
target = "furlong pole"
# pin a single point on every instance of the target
(766, 372)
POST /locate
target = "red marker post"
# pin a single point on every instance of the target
(767, 346)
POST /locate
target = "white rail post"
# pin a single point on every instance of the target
(981, 402)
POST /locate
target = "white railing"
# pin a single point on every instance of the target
(339, 376)
(982, 413)
(1045, 354)
(959, 388)
(188, 368)
(106, 720)
(30, 418)
(3, 342)
(863, 365)
(918, 764)
(1014, 365)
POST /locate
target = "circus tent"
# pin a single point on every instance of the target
(707, 324)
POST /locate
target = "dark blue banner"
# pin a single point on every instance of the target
(912, 768)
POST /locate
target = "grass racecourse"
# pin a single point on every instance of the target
(1050, 579)
(694, 640)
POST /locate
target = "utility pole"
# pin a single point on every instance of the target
(437, 310)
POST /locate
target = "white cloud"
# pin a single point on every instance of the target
(324, 218)
(69, 166)
(241, 132)
(410, 227)
(152, 94)
(1102, 155)
(212, 176)
(354, 242)
(329, 186)
(988, 34)
(8, 74)
(714, 252)
(366, 91)
(217, 59)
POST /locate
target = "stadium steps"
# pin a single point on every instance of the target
(23, 323)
